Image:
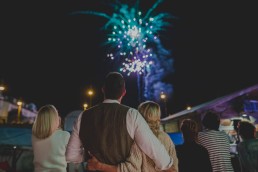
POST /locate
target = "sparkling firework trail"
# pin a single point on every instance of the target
(134, 43)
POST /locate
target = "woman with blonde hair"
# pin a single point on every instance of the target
(49, 141)
(137, 160)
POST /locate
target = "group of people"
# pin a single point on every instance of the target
(112, 137)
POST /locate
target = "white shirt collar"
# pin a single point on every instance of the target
(111, 101)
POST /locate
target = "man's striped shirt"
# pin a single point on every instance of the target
(218, 146)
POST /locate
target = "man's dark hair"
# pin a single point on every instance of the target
(211, 121)
(246, 130)
(114, 85)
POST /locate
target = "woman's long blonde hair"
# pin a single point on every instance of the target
(151, 113)
(47, 121)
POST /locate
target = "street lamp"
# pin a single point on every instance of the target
(19, 103)
(2, 88)
(85, 105)
(163, 97)
(90, 93)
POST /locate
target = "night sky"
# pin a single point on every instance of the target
(48, 56)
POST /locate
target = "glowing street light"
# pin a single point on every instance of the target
(188, 107)
(19, 103)
(163, 97)
(90, 93)
(2, 88)
(85, 105)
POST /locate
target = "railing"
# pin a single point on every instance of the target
(10, 154)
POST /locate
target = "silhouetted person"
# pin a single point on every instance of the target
(12, 117)
(248, 148)
(191, 155)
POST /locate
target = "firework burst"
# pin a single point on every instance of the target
(133, 41)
